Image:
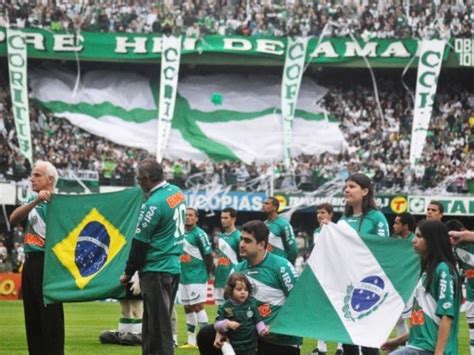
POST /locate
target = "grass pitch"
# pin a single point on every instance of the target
(85, 321)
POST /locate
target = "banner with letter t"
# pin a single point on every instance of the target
(17, 67)
(429, 66)
(170, 58)
(290, 87)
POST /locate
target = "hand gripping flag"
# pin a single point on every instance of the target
(352, 290)
(88, 239)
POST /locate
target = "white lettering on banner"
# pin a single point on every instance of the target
(396, 49)
(168, 88)
(68, 43)
(237, 44)
(464, 48)
(429, 66)
(290, 87)
(354, 49)
(138, 44)
(17, 67)
(453, 206)
(325, 49)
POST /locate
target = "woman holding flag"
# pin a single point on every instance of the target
(361, 213)
(435, 312)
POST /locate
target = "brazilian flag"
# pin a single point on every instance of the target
(88, 239)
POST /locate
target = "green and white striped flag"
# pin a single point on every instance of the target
(235, 117)
(352, 290)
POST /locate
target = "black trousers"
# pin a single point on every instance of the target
(207, 334)
(44, 323)
(354, 350)
(158, 291)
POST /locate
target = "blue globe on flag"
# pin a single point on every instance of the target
(92, 248)
(367, 293)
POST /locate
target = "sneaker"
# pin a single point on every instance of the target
(188, 346)
(130, 339)
(110, 337)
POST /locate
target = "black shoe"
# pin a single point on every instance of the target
(110, 337)
(130, 339)
(317, 352)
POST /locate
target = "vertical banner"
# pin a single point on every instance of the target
(17, 67)
(170, 58)
(290, 87)
(429, 66)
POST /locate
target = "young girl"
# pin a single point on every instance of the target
(238, 317)
(436, 305)
(361, 213)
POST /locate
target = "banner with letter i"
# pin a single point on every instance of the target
(290, 87)
(17, 68)
(170, 58)
(429, 66)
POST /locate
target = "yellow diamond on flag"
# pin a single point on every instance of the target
(89, 247)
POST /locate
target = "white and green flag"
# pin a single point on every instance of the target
(168, 89)
(429, 66)
(225, 116)
(290, 87)
(17, 68)
(352, 290)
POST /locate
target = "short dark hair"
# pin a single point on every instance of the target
(325, 206)
(258, 229)
(455, 225)
(231, 211)
(196, 213)
(274, 202)
(232, 282)
(437, 203)
(150, 168)
(407, 218)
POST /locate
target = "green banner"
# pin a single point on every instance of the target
(88, 241)
(95, 46)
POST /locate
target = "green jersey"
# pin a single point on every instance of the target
(272, 280)
(281, 240)
(227, 256)
(161, 226)
(246, 314)
(373, 222)
(409, 237)
(35, 233)
(196, 247)
(441, 299)
(465, 254)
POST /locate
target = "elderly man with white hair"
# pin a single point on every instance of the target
(44, 323)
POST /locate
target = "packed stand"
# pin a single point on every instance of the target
(196, 18)
(377, 147)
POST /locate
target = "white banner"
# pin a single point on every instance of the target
(429, 66)
(290, 87)
(17, 67)
(170, 59)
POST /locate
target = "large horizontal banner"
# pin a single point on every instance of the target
(10, 286)
(94, 46)
(388, 204)
(453, 205)
(240, 201)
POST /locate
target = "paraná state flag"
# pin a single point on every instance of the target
(352, 290)
(88, 239)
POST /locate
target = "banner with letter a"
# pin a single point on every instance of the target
(17, 68)
(352, 290)
(290, 88)
(429, 66)
(88, 239)
(170, 59)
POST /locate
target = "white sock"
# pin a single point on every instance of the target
(339, 346)
(125, 325)
(322, 346)
(471, 340)
(401, 327)
(191, 323)
(202, 318)
(137, 326)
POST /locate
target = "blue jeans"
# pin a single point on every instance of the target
(410, 351)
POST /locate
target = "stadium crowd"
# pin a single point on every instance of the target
(196, 18)
(377, 147)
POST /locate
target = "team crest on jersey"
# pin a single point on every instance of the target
(364, 298)
(249, 313)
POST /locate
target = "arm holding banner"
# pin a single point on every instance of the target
(21, 213)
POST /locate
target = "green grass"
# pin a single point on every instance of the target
(85, 321)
